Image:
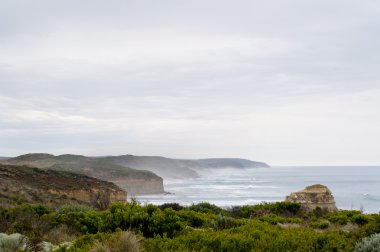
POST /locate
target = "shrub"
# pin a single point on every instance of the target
(272, 219)
(360, 219)
(59, 234)
(36, 209)
(118, 242)
(205, 207)
(373, 226)
(74, 208)
(338, 218)
(369, 244)
(196, 219)
(319, 224)
(174, 206)
(345, 216)
(284, 209)
(13, 242)
(225, 222)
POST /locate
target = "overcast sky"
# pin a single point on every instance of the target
(284, 82)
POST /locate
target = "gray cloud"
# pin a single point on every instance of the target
(284, 82)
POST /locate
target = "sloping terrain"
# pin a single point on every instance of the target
(22, 184)
(179, 168)
(135, 182)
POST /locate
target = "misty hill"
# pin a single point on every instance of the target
(229, 162)
(179, 168)
(22, 184)
(136, 182)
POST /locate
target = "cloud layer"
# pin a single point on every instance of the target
(288, 82)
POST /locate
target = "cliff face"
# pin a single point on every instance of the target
(20, 184)
(92, 196)
(314, 196)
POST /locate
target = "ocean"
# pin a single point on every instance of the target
(354, 187)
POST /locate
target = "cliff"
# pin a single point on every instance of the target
(169, 168)
(21, 184)
(135, 182)
(314, 196)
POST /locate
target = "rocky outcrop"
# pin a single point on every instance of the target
(314, 196)
(21, 184)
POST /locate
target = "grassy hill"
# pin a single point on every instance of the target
(134, 181)
(179, 168)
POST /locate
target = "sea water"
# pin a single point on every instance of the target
(354, 187)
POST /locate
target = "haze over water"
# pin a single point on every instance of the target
(354, 187)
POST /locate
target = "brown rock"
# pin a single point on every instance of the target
(314, 196)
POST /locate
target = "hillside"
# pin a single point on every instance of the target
(229, 163)
(179, 168)
(22, 184)
(135, 182)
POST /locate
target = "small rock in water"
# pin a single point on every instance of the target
(314, 196)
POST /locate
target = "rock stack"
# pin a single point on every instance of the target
(314, 196)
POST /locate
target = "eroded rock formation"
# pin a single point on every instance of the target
(314, 196)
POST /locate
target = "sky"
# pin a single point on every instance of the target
(290, 82)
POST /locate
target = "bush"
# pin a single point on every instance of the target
(196, 219)
(13, 242)
(253, 236)
(174, 206)
(360, 219)
(319, 224)
(284, 209)
(74, 208)
(338, 218)
(369, 244)
(205, 207)
(225, 222)
(118, 242)
(59, 234)
(345, 216)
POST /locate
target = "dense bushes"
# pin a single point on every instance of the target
(254, 236)
(200, 227)
(285, 209)
(369, 244)
(345, 216)
(205, 207)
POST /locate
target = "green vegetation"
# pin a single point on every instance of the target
(202, 227)
(369, 244)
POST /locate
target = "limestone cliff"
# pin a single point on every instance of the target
(21, 184)
(314, 196)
